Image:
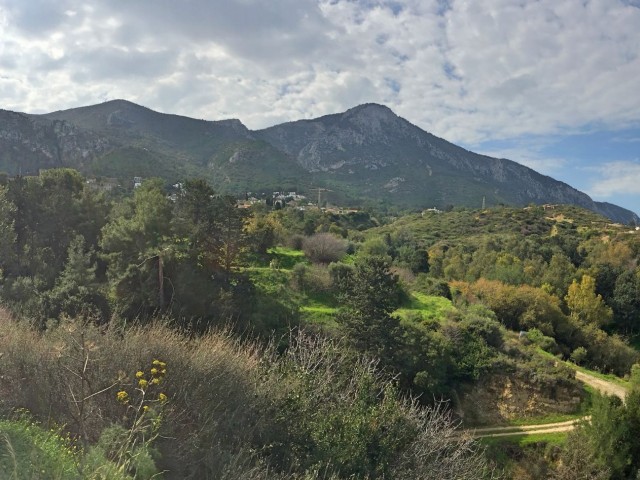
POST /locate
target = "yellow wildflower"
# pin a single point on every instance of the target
(145, 408)
(139, 374)
(156, 362)
(122, 396)
(154, 371)
(155, 381)
(142, 383)
(162, 397)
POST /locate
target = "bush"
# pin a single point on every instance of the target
(296, 241)
(339, 272)
(432, 286)
(548, 344)
(299, 276)
(579, 355)
(329, 407)
(324, 248)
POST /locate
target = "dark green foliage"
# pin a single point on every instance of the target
(76, 292)
(136, 243)
(609, 441)
(368, 296)
(339, 273)
(432, 286)
(471, 354)
(626, 301)
(548, 344)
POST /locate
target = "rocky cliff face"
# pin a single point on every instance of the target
(501, 398)
(29, 143)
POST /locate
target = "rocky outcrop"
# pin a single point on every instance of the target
(29, 143)
(500, 398)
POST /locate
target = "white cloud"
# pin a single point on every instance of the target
(465, 70)
(616, 178)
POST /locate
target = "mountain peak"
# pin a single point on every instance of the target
(371, 110)
(373, 118)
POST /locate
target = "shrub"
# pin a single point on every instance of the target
(298, 276)
(296, 241)
(324, 248)
(548, 344)
(339, 272)
(432, 286)
(579, 355)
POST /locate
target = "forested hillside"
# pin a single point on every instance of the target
(168, 330)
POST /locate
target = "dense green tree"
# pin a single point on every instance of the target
(261, 231)
(137, 244)
(8, 237)
(76, 291)
(368, 297)
(606, 276)
(559, 273)
(608, 443)
(626, 301)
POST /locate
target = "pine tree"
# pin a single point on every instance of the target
(370, 294)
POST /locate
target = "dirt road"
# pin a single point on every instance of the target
(526, 429)
(603, 386)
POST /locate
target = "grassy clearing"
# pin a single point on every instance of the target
(286, 258)
(523, 440)
(319, 315)
(426, 306)
(604, 376)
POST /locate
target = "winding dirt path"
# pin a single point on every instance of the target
(603, 386)
(526, 429)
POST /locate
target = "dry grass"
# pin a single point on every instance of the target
(70, 375)
(235, 410)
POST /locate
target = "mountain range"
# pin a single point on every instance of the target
(367, 154)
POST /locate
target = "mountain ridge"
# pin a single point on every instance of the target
(367, 153)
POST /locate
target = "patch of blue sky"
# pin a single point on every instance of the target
(585, 160)
(443, 7)
(450, 71)
(393, 84)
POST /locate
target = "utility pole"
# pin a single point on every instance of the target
(320, 190)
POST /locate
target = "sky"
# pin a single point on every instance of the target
(552, 84)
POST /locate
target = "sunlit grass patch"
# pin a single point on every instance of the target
(27, 451)
(285, 257)
(427, 306)
(555, 438)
